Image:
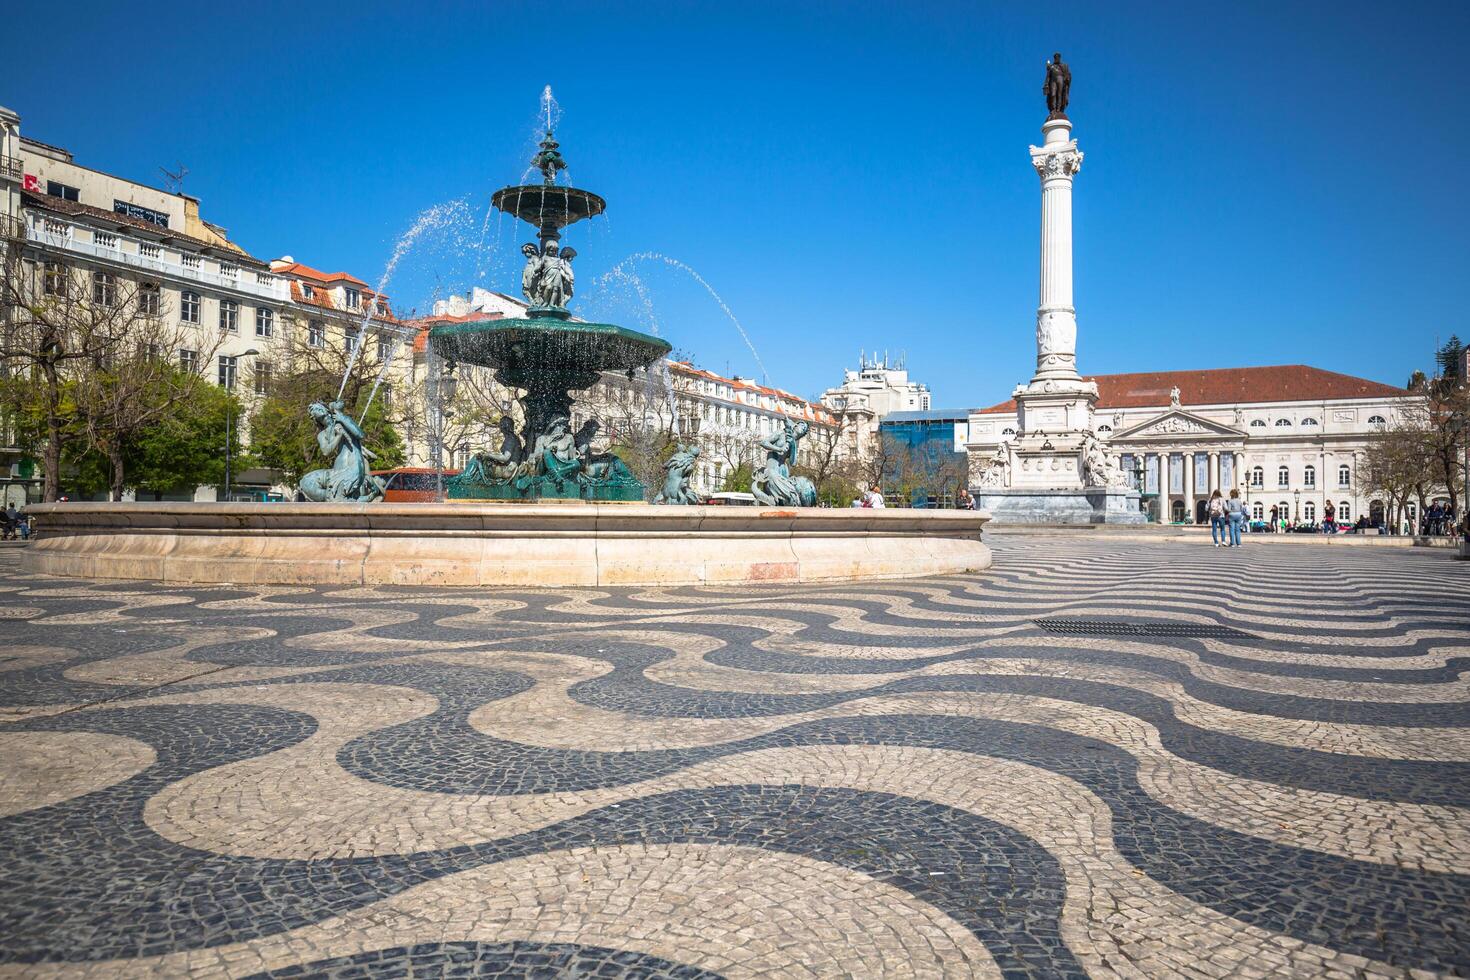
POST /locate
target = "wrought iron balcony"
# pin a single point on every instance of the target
(11, 167)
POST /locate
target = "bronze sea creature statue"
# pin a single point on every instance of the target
(676, 478)
(774, 485)
(339, 438)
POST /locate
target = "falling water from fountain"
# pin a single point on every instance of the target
(439, 216)
(719, 300)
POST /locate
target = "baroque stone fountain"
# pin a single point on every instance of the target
(493, 532)
(548, 355)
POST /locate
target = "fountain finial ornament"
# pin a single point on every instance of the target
(549, 161)
(1058, 87)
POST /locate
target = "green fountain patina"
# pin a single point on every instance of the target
(548, 355)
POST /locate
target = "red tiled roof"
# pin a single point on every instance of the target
(425, 323)
(809, 409)
(307, 272)
(324, 301)
(1227, 386)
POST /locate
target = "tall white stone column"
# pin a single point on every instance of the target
(1057, 161)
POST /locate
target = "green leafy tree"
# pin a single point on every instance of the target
(738, 480)
(1448, 358)
(283, 435)
(184, 449)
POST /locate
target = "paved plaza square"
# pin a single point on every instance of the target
(1102, 757)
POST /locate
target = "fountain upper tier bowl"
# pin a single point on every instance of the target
(547, 205)
(522, 348)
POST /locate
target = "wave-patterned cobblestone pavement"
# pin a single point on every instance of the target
(1096, 759)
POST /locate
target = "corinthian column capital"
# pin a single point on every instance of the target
(1050, 162)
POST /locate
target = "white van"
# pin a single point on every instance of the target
(732, 499)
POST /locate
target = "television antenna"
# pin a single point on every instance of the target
(174, 180)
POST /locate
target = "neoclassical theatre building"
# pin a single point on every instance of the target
(1290, 437)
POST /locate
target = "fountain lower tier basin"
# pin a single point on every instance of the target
(523, 350)
(497, 544)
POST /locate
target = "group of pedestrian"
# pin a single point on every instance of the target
(1439, 519)
(1227, 514)
(870, 498)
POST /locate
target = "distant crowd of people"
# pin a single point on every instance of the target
(1438, 519)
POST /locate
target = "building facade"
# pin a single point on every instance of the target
(66, 225)
(925, 456)
(73, 227)
(1289, 437)
(876, 389)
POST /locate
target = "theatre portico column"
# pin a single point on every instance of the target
(1189, 478)
(1215, 473)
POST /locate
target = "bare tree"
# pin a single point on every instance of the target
(137, 383)
(66, 325)
(1394, 464)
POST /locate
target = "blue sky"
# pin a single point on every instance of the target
(1264, 183)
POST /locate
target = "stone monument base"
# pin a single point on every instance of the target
(1088, 505)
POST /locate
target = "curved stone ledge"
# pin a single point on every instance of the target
(497, 544)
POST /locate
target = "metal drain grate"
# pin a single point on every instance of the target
(1104, 627)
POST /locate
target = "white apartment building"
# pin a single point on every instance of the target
(1290, 437)
(129, 239)
(876, 389)
(65, 219)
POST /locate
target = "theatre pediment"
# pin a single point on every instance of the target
(1179, 423)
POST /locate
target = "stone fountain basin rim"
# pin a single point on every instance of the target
(490, 544)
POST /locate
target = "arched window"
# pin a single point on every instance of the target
(1283, 511)
(1344, 476)
(1283, 423)
(1344, 512)
(1283, 476)
(1309, 511)
(1007, 432)
(1258, 477)
(1309, 421)
(1104, 428)
(1257, 424)
(1377, 420)
(1309, 476)
(1258, 510)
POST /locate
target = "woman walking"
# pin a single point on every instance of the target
(1217, 520)
(1235, 516)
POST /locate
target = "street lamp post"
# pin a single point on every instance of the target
(1297, 516)
(445, 386)
(229, 419)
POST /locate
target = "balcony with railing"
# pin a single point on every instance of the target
(11, 167)
(264, 287)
